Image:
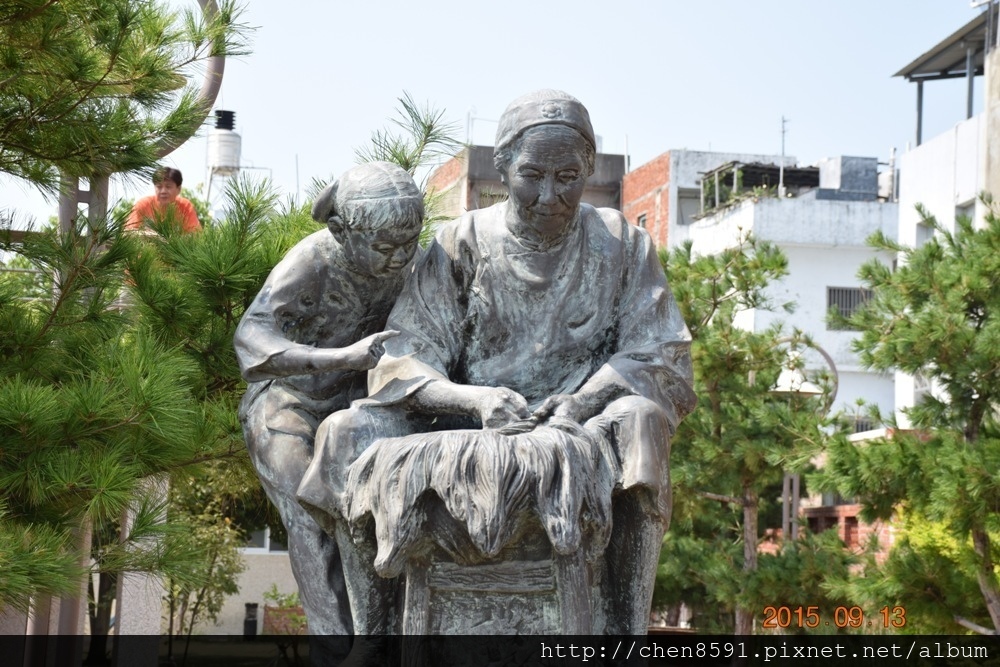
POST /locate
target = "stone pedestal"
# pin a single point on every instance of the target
(552, 595)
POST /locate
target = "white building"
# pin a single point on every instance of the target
(946, 174)
(821, 225)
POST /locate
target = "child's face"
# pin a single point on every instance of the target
(382, 252)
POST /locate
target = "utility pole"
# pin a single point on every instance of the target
(781, 165)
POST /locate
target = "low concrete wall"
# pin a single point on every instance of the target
(262, 571)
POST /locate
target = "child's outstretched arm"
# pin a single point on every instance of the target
(297, 359)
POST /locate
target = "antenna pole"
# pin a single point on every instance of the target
(781, 166)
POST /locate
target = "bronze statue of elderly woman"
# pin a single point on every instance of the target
(509, 470)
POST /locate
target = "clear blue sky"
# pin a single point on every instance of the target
(664, 74)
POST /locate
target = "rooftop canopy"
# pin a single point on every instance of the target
(949, 58)
(961, 54)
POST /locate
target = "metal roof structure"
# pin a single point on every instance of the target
(949, 58)
(961, 54)
(759, 174)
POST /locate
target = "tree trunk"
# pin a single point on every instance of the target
(986, 576)
(100, 619)
(744, 617)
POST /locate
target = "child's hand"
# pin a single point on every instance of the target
(364, 354)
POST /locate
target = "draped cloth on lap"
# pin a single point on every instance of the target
(486, 479)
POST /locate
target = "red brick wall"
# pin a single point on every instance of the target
(854, 532)
(447, 174)
(645, 192)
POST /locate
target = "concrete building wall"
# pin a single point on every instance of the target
(811, 271)
(263, 571)
(877, 388)
(824, 242)
(801, 220)
(991, 123)
(944, 175)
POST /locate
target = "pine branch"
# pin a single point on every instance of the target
(975, 627)
(730, 500)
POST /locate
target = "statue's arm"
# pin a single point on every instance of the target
(296, 359)
(493, 406)
(652, 350)
(431, 317)
(405, 378)
(264, 340)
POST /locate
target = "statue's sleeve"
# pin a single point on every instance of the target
(259, 338)
(430, 315)
(653, 352)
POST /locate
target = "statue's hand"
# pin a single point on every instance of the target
(567, 406)
(499, 406)
(364, 354)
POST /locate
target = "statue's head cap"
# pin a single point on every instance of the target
(369, 185)
(543, 107)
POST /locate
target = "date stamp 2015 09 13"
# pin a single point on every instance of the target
(843, 617)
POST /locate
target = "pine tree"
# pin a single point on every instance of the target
(99, 86)
(937, 316)
(729, 456)
(92, 403)
(89, 407)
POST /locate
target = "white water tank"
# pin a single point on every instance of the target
(223, 151)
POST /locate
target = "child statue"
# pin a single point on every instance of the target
(305, 346)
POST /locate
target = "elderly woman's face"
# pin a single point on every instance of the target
(546, 177)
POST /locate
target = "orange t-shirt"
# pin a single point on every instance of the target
(148, 208)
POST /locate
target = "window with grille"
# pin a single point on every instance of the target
(845, 301)
(862, 424)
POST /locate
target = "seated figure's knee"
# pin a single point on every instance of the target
(635, 404)
(351, 431)
(641, 414)
(280, 460)
(340, 440)
(347, 432)
(336, 427)
(640, 431)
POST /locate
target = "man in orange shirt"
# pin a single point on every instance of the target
(165, 204)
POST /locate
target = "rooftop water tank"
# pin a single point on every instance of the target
(224, 145)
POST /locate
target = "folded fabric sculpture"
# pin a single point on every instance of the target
(487, 480)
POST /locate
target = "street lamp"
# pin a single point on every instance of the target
(793, 382)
